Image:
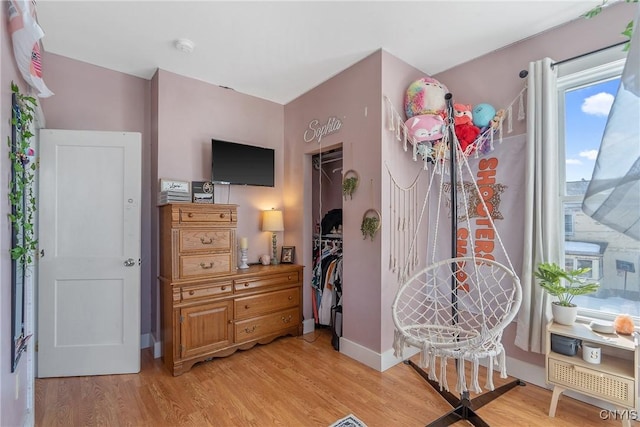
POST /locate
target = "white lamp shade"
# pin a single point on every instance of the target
(272, 220)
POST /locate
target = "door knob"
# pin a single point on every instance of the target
(130, 262)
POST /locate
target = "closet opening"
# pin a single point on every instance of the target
(326, 277)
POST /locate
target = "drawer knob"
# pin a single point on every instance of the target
(290, 298)
(246, 307)
(286, 320)
(190, 214)
(206, 267)
(206, 242)
(192, 292)
(249, 331)
(230, 321)
(289, 277)
(222, 215)
(246, 285)
(224, 288)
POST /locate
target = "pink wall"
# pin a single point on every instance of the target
(493, 78)
(190, 114)
(13, 409)
(353, 96)
(397, 75)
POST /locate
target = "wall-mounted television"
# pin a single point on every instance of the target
(241, 164)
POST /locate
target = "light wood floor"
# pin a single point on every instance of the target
(294, 381)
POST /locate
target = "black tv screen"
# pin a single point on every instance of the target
(241, 164)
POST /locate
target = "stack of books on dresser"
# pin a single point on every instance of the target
(170, 196)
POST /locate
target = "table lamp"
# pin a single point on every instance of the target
(272, 221)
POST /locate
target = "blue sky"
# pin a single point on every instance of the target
(586, 112)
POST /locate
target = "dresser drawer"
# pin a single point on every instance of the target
(254, 283)
(189, 293)
(258, 327)
(256, 305)
(612, 388)
(192, 214)
(204, 265)
(204, 240)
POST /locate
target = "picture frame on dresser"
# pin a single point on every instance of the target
(175, 185)
(287, 255)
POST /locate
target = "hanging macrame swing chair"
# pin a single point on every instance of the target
(457, 308)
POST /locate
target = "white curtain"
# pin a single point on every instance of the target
(542, 219)
(613, 196)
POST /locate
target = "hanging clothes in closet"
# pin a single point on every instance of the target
(327, 278)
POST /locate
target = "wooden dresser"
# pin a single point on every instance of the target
(209, 307)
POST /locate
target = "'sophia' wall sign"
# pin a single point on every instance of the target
(317, 131)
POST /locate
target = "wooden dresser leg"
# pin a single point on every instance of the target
(557, 391)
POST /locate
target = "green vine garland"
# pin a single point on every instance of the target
(628, 30)
(21, 191)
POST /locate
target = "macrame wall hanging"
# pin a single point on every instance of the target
(403, 218)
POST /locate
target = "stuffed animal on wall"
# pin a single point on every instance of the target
(466, 134)
(497, 119)
(425, 96)
(425, 127)
(465, 130)
(483, 114)
(462, 114)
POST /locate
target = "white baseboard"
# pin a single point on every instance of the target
(377, 361)
(157, 347)
(360, 353)
(308, 325)
(30, 419)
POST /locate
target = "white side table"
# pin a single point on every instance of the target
(613, 380)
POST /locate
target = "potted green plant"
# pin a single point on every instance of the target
(564, 285)
(370, 224)
(349, 183)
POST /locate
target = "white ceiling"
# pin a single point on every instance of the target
(280, 50)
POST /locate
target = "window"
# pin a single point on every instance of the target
(568, 223)
(586, 90)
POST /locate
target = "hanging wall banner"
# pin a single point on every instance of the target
(499, 176)
(317, 130)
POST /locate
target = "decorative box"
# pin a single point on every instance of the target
(565, 345)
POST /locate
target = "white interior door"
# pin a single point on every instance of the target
(89, 237)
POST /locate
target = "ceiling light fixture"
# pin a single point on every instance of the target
(185, 45)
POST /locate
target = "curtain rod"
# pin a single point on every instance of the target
(524, 73)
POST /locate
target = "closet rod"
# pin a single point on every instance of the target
(324, 162)
(525, 73)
